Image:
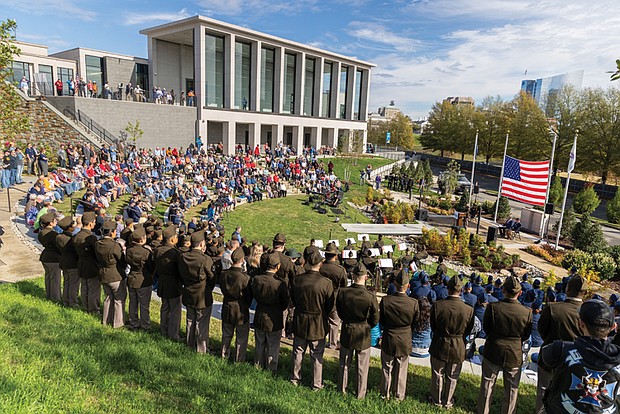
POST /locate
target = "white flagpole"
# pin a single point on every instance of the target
(555, 138)
(571, 166)
(501, 178)
(473, 169)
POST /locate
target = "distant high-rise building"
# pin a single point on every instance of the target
(460, 100)
(544, 90)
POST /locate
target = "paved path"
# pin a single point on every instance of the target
(386, 229)
(19, 257)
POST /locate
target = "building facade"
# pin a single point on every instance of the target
(252, 88)
(544, 90)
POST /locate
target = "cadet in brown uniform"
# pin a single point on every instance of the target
(451, 321)
(507, 324)
(398, 314)
(88, 268)
(559, 321)
(313, 298)
(235, 285)
(338, 276)
(111, 261)
(68, 262)
(170, 286)
(50, 256)
(139, 257)
(359, 311)
(272, 299)
(195, 269)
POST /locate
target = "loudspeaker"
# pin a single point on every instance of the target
(549, 208)
(321, 210)
(492, 235)
(476, 189)
(421, 214)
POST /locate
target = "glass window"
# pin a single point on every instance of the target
(344, 78)
(142, 78)
(267, 79)
(243, 75)
(94, 72)
(215, 71)
(327, 90)
(309, 88)
(45, 81)
(20, 69)
(64, 74)
(290, 63)
(357, 100)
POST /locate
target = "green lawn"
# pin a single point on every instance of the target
(55, 360)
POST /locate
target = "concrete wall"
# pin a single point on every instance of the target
(119, 71)
(163, 125)
(175, 63)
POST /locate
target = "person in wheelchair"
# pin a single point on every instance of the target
(514, 229)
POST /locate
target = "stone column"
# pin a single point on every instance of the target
(350, 92)
(298, 139)
(318, 87)
(316, 134)
(255, 74)
(278, 90)
(229, 129)
(254, 134)
(200, 85)
(229, 71)
(335, 90)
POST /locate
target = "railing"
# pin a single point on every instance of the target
(96, 129)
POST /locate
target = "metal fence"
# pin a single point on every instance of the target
(96, 129)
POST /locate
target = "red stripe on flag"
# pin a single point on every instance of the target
(532, 186)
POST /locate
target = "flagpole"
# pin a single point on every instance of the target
(473, 169)
(501, 178)
(571, 165)
(541, 233)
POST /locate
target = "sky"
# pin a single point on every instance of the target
(425, 50)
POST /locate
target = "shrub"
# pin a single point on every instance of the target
(466, 256)
(604, 265)
(507, 261)
(568, 223)
(496, 258)
(432, 201)
(488, 207)
(484, 251)
(463, 202)
(577, 258)
(515, 259)
(484, 263)
(614, 251)
(445, 204)
(613, 209)
(427, 174)
(588, 236)
(556, 192)
(503, 213)
(586, 201)
(431, 239)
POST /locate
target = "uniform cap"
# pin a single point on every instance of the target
(512, 285)
(273, 259)
(536, 283)
(423, 278)
(455, 283)
(478, 280)
(401, 278)
(360, 270)
(138, 234)
(169, 232)
(66, 222)
(88, 217)
(577, 284)
(483, 298)
(294, 254)
(314, 258)
(128, 221)
(47, 218)
(596, 313)
(331, 248)
(109, 225)
(197, 237)
(238, 255)
(279, 238)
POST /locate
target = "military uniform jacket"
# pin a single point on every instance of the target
(235, 285)
(397, 315)
(111, 260)
(507, 325)
(141, 264)
(51, 252)
(336, 273)
(313, 298)
(126, 235)
(287, 269)
(451, 321)
(272, 299)
(359, 312)
(84, 243)
(68, 254)
(195, 269)
(169, 283)
(560, 321)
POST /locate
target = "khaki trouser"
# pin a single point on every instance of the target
(198, 321)
(91, 295)
(52, 281)
(444, 377)
(113, 304)
(241, 341)
(544, 379)
(363, 363)
(394, 368)
(317, 348)
(267, 349)
(140, 300)
(170, 317)
(512, 377)
(71, 286)
(334, 325)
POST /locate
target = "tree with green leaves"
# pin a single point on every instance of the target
(427, 174)
(586, 201)
(401, 132)
(134, 132)
(529, 130)
(451, 128)
(588, 236)
(616, 75)
(565, 113)
(504, 210)
(492, 120)
(11, 121)
(613, 209)
(568, 223)
(556, 191)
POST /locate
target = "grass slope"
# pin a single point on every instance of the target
(56, 360)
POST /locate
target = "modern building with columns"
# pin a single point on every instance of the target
(252, 88)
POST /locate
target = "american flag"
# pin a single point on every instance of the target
(526, 181)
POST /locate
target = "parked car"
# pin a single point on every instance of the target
(463, 184)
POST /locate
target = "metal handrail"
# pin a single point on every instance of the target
(97, 129)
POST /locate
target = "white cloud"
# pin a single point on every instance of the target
(257, 7)
(54, 43)
(141, 18)
(53, 8)
(377, 36)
